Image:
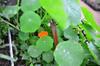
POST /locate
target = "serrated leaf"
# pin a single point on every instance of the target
(65, 12)
(30, 22)
(30, 5)
(45, 43)
(69, 53)
(33, 51)
(48, 56)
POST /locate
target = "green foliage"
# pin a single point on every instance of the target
(70, 34)
(34, 51)
(10, 11)
(23, 36)
(69, 53)
(78, 43)
(48, 56)
(66, 9)
(30, 22)
(30, 5)
(89, 18)
(45, 43)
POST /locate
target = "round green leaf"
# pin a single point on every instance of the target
(23, 36)
(69, 53)
(69, 33)
(48, 56)
(10, 11)
(33, 51)
(30, 22)
(30, 5)
(33, 39)
(45, 43)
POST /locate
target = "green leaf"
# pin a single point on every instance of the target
(31, 64)
(30, 5)
(65, 12)
(33, 51)
(23, 36)
(33, 39)
(97, 43)
(25, 56)
(10, 11)
(89, 31)
(69, 53)
(29, 22)
(45, 43)
(69, 33)
(48, 56)
(94, 52)
(90, 19)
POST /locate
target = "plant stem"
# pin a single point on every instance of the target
(9, 24)
(54, 32)
(10, 46)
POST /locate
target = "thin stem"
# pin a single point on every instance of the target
(54, 32)
(9, 24)
(10, 47)
(44, 17)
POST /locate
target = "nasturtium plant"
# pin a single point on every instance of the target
(69, 53)
(33, 51)
(23, 36)
(48, 56)
(30, 22)
(45, 43)
(70, 33)
(68, 13)
(30, 5)
(10, 11)
(49, 33)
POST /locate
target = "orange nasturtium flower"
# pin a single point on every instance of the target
(42, 34)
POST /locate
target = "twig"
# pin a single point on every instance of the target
(10, 46)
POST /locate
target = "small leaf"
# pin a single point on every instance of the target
(69, 53)
(33, 51)
(48, 56)
(33, 39)
(31, 64)
(25, 56)
(30, 22)
(45, 43)
(10, 11)
(30, 5)
(69, 33)
(23, 36)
